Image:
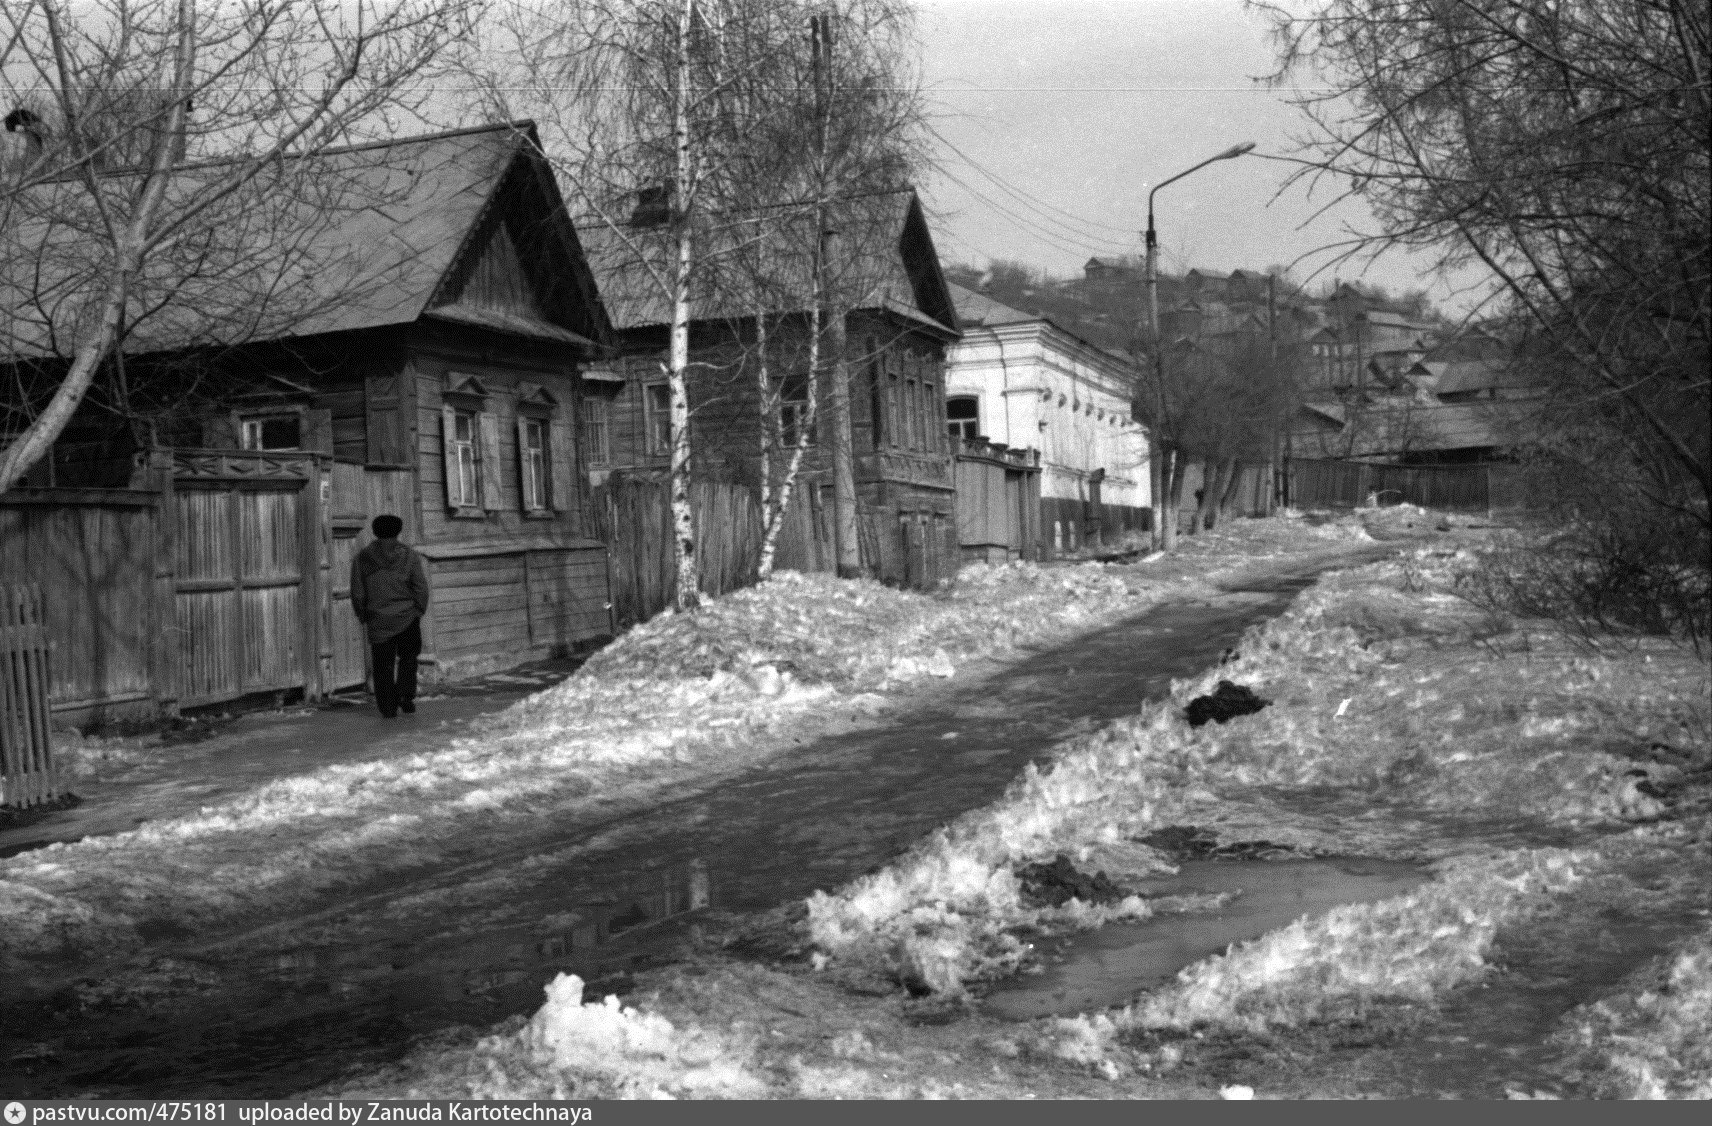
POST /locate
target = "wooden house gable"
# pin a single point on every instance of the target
(498, 281)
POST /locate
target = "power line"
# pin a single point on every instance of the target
(1053, 238)
(1033, 203)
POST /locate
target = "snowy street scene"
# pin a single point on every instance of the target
(734, 550)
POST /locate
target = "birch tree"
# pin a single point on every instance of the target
(694, 136)
(646, 100)
(144, 132)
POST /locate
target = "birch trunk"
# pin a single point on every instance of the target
(805, 427)
(683, 514)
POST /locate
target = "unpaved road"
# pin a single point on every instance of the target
(283, 1006)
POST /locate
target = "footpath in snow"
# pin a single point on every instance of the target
(677, 698)
(1557, 795)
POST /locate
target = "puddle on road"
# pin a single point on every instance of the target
(523, 956)
(1100, 969)
(296, 1018)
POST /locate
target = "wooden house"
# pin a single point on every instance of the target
(434, 375)
(898, 320)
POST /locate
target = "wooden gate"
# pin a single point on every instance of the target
(349, 640)
(242, 544)
(26, 753)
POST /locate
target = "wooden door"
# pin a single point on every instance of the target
(239, 589)
(350, 641)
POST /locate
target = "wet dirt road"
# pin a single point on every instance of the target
(289, 1005)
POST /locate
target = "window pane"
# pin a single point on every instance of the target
(466, 474)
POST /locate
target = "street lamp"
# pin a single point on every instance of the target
(1161, 538)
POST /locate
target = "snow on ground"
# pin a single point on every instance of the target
(681, 694)
(1650, 1041)
(1403, 723)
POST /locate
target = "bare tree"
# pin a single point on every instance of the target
(147, 135)
(1222, 399)
(642, 104)
(1565, 149)
(705, 139)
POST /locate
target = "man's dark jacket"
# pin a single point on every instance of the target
(389, 588)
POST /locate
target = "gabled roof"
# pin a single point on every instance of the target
(763, 261)
(1452, 377)
(977, 309)
(352, 238)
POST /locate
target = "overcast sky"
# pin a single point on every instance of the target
(1084, 105)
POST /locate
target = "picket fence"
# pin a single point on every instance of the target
(27, 775)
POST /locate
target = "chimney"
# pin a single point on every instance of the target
(30, 124)
(653, 206)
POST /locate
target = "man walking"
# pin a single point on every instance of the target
(389, 592)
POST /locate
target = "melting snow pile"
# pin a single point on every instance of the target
(1375, 689)
(816, 629)
(1654, 1041)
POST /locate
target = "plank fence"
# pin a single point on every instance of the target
(27, 774)
(1317, 483)
(634, 516)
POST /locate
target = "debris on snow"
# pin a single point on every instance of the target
(1225, 704)
(1057, 883)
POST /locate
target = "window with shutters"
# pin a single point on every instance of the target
(657, 418)
(463, 486)
(793, 413)
(533, 458)
(597, 430)
(271, 432)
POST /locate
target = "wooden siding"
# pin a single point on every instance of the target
(93, 553)
(502, 513)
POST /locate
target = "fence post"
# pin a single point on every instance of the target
(27, 773)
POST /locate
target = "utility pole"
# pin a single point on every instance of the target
(1164, 456)
(838, 397)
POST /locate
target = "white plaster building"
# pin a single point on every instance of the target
(1020, 381)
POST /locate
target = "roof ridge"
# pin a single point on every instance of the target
(515, 125)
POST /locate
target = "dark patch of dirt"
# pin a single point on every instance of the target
(13, 817)
(773, 936)
(1190, 842)
(1057, 883)
(1226, 703)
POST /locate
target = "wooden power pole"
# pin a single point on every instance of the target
(838, 397)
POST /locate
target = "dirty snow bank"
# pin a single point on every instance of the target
(1379, 685)
(690, 691)
(822, 630)
(1653, 1041)
(1414, 947)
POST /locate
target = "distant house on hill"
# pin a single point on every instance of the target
(431, 370)
(899, 322)
(1114, 270)
(1021, 382)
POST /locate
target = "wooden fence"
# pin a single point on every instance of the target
(634, 516)
(26, 753)
(106, 593)
(1317, 483)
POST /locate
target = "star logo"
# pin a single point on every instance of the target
(14, 1113)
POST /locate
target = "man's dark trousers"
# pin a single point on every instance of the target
(395, 689)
